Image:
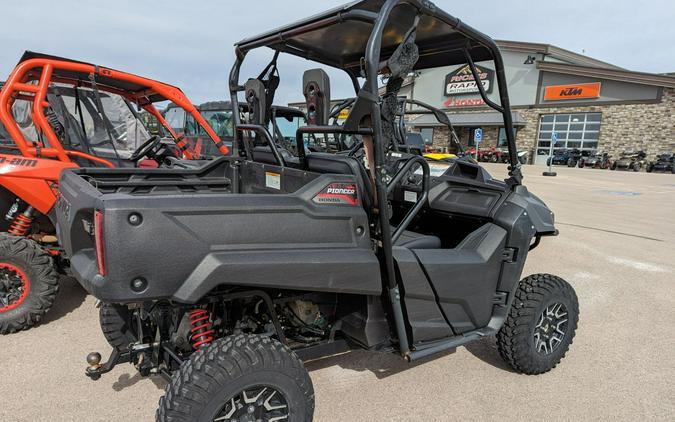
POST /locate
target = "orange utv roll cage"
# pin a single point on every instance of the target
(30, 81)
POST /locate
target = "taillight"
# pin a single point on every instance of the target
(98, 238)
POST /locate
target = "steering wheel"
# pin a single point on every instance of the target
(146, 149)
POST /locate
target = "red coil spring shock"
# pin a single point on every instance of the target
(201, 332)
(21, 223)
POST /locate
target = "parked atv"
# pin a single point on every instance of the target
(630, 160)
(87, 117)
(564, 157)
(596, 160)
(665, 163)
(283, 260)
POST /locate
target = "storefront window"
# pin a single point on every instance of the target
(428, 135)
(578, 130)
(501, 139)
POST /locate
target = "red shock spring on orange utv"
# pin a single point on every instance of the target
(201, 332)
(21, 224)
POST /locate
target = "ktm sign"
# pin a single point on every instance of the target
(572, 92)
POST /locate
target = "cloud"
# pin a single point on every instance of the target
(189, 44)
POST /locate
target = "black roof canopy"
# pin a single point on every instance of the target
(338, 37)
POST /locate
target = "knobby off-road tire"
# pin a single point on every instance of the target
(28, 283)
(543, 304)
(256, 372)
(117, 328)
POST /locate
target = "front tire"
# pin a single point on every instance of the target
(28, 283)
(242, 377)
(540, 326)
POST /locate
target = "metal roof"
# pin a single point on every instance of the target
(652, 79)
(555, 52)
(489, 118)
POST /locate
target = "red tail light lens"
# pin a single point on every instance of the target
(98, 238)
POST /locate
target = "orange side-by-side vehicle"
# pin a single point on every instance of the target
(58, 114)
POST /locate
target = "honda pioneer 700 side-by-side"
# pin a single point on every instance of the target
(290, 257)
(59, 113)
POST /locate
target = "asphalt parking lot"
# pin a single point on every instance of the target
(616, 247)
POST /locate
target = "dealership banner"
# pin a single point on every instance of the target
(461, 81)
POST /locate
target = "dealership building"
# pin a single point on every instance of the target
(589, 104)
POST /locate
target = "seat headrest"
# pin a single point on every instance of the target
(316, 89)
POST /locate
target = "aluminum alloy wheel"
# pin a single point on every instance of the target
(550, 330)
(14, 286)
(254, 404)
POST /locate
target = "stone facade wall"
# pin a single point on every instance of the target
(442, 142)
(649, 127)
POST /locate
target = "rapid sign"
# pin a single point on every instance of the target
(461, 81)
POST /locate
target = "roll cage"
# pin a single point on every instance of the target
(30, 81)
(368, 34)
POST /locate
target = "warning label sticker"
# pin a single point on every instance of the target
(273, 180)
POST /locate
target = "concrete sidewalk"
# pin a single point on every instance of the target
(616, 247)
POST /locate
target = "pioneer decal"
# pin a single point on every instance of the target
(18, 161)
(338, 193)
(461, 81)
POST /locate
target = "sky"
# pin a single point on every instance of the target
(189, 43)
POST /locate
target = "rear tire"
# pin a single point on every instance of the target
(613, 166)
(541, 324)
(28, 283)
(256, 372)
(115, 324)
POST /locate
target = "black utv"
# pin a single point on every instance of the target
(568, 157)
(596, 160)
(630, 160)
(665, 163)
(225, 277)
